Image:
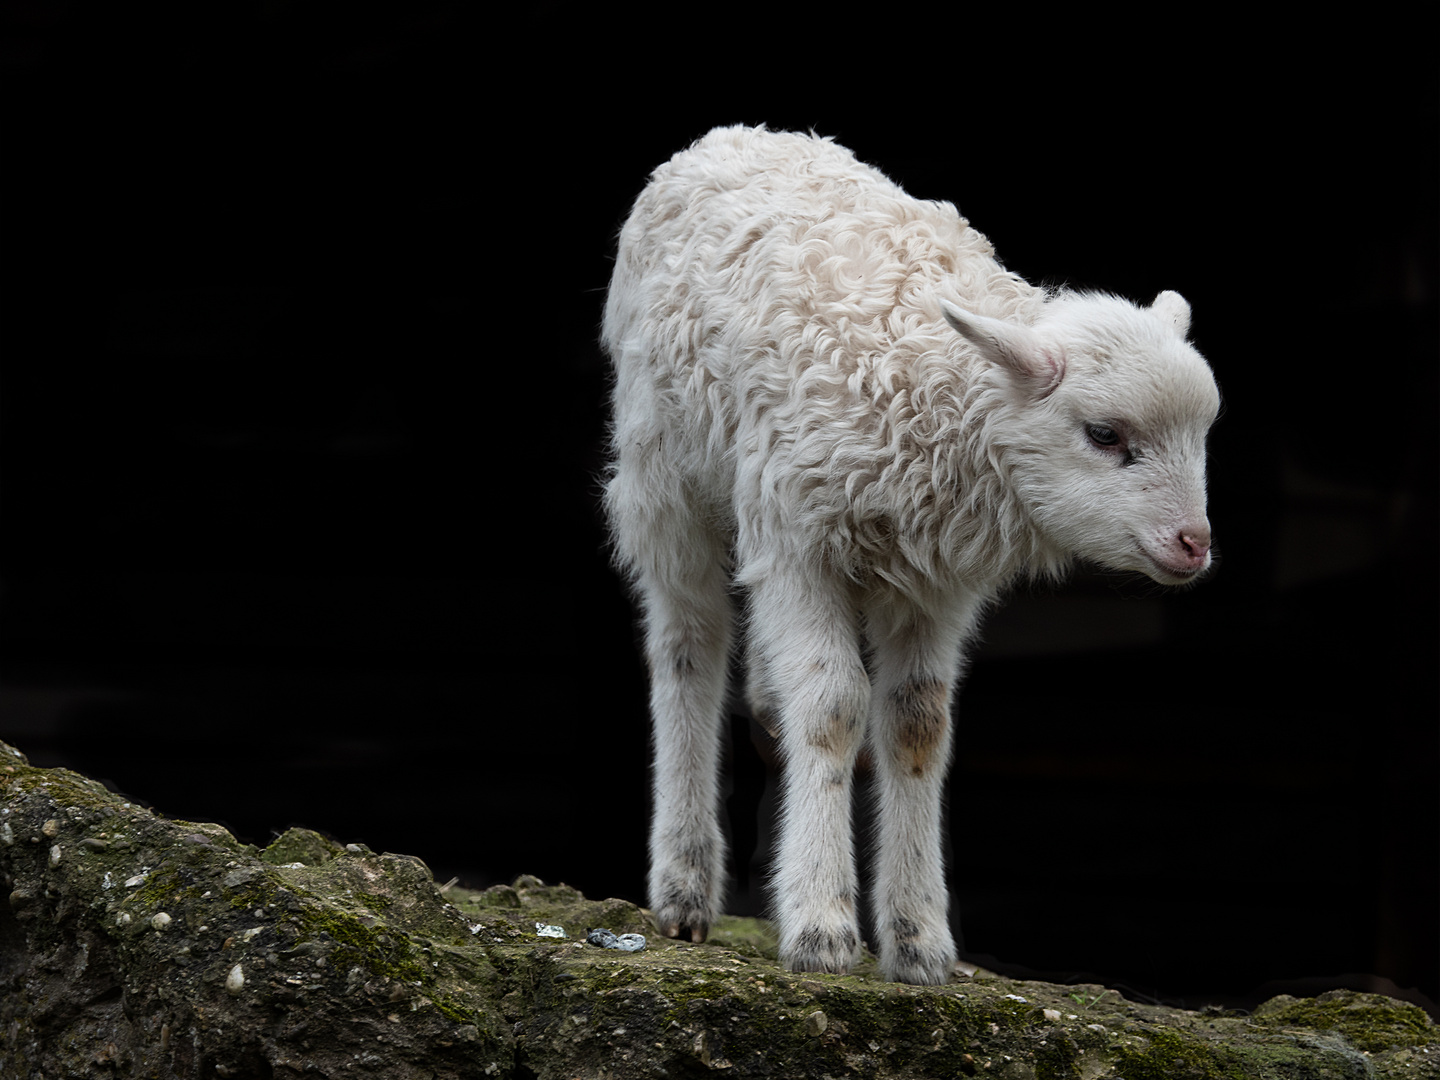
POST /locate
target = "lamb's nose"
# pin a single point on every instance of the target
(1195, 539)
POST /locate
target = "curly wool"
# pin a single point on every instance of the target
(773, 315)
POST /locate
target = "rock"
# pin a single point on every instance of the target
(608, 939)
(173, 950)
(312, 959)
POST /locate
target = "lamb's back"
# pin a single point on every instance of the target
(765, 260)
(775, 327)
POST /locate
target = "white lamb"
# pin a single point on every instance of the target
(833, 395)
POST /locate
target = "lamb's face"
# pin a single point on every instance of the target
(1120, 476)
(1107, 435)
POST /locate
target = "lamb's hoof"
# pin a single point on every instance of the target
(912, 962)
(688, 922)
(684, 894)
(817, 949)
(685, 931)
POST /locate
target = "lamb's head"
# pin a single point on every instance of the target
(1104, 428)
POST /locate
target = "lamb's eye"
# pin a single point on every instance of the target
(1101, 435)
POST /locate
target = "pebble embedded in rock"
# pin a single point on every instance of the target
(608, 939)
(160, 921)
(235, 981)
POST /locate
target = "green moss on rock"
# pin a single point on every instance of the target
(1165, 1055)
(1370, 1022)
(302, 846)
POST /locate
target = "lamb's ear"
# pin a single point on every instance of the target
(1174, 308)
(1012, 346)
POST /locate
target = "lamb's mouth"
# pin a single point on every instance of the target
(1174, 575)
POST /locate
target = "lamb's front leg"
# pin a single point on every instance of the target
(808, 633)
(917, 662)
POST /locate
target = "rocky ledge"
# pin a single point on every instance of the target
(135, 945)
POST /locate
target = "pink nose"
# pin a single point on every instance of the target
(1195, 539)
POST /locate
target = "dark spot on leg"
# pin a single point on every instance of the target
(842, 728)
(908, 955)
(922, 714)
(814, 941)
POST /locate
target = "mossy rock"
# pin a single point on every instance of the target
(1369, 1022)
(138, 946)
(302, 846)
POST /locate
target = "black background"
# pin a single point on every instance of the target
(303, 412)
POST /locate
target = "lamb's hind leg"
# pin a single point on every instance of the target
(687, 642)
(807, 632)
(916, 665)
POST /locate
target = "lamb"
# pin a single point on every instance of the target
(832, 402)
